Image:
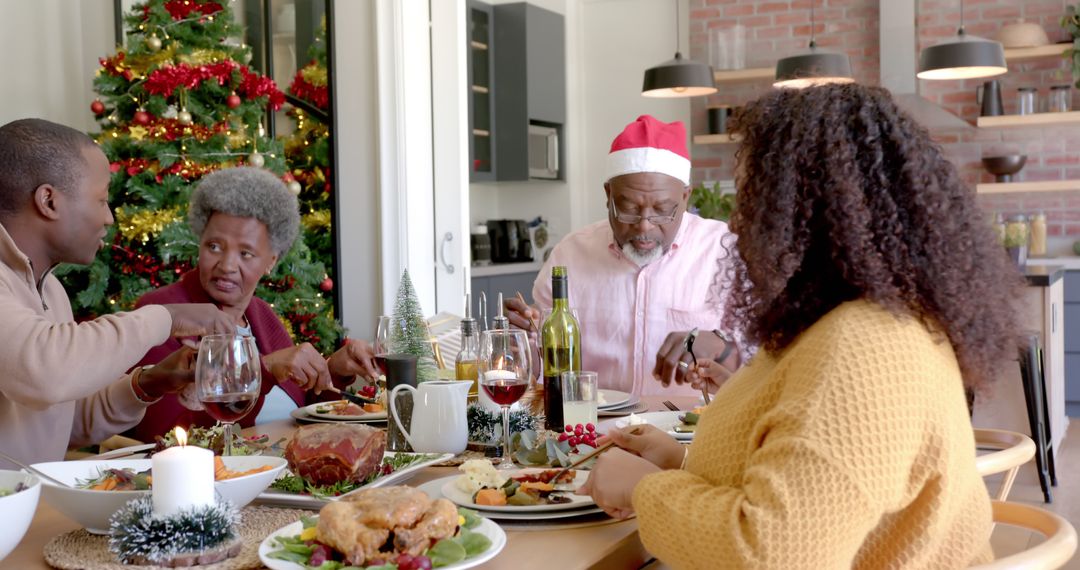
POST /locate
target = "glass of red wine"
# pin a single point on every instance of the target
(505, 369)
(381, 345)
(228, 378)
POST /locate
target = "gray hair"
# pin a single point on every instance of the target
(247, 192)
(35, 152)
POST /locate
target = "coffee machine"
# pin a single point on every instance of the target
(509, 241)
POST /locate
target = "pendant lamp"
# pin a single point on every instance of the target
(815, 67)
(963, 57)
(678, 77)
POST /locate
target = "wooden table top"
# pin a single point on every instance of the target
(610, 545)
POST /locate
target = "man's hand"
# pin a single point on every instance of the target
(198, 319)
(520, 314)
(355, 358)
(172, 374)
(300, 364)
(612, 480)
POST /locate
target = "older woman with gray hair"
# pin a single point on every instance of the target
(246, 220)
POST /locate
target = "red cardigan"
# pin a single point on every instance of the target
(270, 336)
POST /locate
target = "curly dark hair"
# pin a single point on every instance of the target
(842, 196)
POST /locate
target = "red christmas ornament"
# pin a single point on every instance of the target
(97, 107)
(232, 101)
(326, 285)
(141, 117)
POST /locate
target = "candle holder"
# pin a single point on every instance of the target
(196, 535)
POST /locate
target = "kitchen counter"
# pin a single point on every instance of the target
(506, 268)
(1069, 262)
(1044, 275)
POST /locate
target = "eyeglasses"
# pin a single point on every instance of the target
(631, 219)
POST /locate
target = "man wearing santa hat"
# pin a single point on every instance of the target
(642, 279)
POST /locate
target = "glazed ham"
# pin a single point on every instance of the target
(324, 454)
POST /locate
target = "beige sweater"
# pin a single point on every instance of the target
(852, 449)
(63, 383)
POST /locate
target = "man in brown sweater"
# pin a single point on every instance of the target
(65, 383)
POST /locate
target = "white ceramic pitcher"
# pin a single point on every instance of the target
(439, 424)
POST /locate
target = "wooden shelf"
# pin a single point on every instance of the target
(1041, 186)
(1020, 55)
(479, 89)
(481, 133)
(1034, 120)
(478, 45)
(742, 75)
(723, 138)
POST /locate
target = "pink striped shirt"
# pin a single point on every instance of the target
(627, 311)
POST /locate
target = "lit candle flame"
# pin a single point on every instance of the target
(181, 436)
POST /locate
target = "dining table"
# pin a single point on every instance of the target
(601, 544)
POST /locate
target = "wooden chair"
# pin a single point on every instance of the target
(1054, 552)
(1012, 450)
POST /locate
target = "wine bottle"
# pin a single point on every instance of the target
(560, 341)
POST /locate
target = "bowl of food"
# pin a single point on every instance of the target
(19, 494)
(99, 488)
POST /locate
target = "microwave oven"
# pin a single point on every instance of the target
(543, 152)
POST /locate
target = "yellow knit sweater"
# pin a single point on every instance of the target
(851, 449)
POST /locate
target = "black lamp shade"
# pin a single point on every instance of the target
(678, 78)
(813, 68)
(964, 57)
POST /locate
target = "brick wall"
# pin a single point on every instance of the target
(776, 28)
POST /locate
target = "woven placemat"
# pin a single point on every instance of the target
(80, 550)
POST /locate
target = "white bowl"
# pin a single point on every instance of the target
(18, 508)
(92, 509)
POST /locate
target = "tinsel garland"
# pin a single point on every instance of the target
(310, 84)
(486, 427)
(145, 224)
(137, 532)
(168, 78)
(317, 220)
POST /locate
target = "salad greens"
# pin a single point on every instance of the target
(303, 550)
(400, 460)
(19, 487)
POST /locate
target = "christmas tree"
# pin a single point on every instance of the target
(410, 336)
(307, 153)
(174, 106)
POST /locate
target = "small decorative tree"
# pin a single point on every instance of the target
(409, 335)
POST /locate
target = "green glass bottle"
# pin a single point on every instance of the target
(560, 343)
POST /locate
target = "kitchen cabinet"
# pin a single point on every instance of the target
(481, 95)
(506, 283)
(530, 81)
(1072, 343)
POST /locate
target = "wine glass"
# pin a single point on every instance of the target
(505, 368)
(381, 345)
(228, 378)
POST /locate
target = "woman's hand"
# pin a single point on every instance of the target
(650, 443)
(708, 374)
(355, 358)
(300, 364)
(172, 374)
(612, 480)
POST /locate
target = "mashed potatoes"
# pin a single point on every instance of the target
(478, 473)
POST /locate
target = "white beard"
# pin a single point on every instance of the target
(641, 259)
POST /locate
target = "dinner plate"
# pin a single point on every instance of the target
(662, 420)
(461, 498)
(434, 489)
(486, 528)
(133, 451)
(614, 399)
(301, 416)
(295, 500)
(312, 411)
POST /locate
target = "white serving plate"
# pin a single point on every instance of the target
(486, 528)
(366, 416)
(614, 399)
(461, 498)
(662, 420)
(281, 498)
(434, 489)
(301, 416)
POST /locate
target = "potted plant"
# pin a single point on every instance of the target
(711, 202)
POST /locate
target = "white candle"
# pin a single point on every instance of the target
(183, 477)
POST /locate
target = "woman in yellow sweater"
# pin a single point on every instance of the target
(876, 293)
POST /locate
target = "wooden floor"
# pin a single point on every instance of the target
(1007, 540)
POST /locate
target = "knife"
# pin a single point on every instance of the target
(358, 400)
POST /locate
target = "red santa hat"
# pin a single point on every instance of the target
(650, 145)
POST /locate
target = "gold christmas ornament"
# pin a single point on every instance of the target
(256, 160)
(295, 188)
(138, 133)
(184, 117)
(153, 43)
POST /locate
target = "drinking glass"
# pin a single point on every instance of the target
(381, 346)
(228, 378)
(505, 368)
(579, 394)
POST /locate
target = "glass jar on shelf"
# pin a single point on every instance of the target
(1059, 100)
(1016, 238)
(1025, 100)
(1037, 241)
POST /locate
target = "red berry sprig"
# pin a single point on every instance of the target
(579, 434)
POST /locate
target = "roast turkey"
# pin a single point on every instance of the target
(324, 454)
